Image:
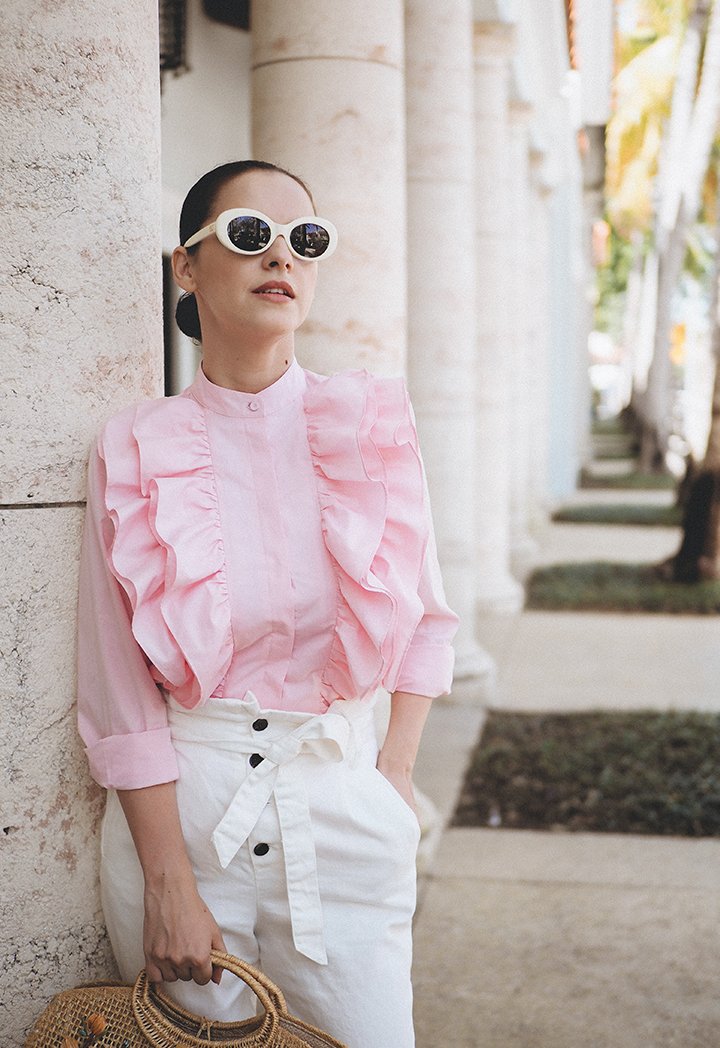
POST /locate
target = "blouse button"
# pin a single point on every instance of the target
(260, 724)
(261, 849)
(253, 405)
(255, 759)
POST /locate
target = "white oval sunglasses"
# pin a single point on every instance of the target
(249, 232)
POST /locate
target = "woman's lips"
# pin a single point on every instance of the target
(276, 289)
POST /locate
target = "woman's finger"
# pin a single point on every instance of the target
(153, 971)
(168, 973)
(218, 943)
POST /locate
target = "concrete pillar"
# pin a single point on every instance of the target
(497, 590)
(540, 498)
(328, 104)
(569, 309)
(523, 370)
(83, 337)
(441, 291)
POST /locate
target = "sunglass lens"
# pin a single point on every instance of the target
(248, 233)
(310, 240)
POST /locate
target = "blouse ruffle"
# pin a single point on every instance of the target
(370, 482)
(167, 551)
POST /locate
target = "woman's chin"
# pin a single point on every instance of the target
(264, 324)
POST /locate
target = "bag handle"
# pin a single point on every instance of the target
(247, 972)
(167, 1024)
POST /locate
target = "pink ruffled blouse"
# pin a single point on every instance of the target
(279, 542)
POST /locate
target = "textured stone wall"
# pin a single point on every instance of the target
(80, 300)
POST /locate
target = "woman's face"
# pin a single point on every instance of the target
(227, 285)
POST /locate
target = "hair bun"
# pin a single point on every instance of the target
(187, 317)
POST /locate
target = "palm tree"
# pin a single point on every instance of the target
(682, 171)
(699, 555)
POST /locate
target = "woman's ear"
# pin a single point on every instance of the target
(182, 269)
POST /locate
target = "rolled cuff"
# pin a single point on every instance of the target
(427, 669)
(131, 762)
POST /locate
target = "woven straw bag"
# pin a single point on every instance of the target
(110, 1015)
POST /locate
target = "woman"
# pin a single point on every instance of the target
(258, 560)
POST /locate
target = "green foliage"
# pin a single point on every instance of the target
(611, 285)
(620, 513)
(656, 773)
(700, 254)
(608, 586)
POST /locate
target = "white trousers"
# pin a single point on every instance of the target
(305, 858)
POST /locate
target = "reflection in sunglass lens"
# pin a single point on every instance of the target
(248, 233)
(310, 240)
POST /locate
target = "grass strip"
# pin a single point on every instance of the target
(629, 772)
(615, 427)
(632, 481)
(620, 513)
(609, 586)
(620, 453)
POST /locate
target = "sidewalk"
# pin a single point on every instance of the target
(527, 939)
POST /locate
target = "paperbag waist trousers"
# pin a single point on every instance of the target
(305, 855)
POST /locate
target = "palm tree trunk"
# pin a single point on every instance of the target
(683, 167)
(699, 555)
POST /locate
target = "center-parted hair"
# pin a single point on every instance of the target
(197, 208)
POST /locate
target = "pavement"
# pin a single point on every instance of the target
(529, 939)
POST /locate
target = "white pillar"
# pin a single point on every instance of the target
(497, 590)
(523, 377)
(83, 337)
(539, 316)
(328, 104)
(441, 291)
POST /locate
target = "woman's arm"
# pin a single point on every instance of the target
(122, 715)
(179, 930)
(408, 713)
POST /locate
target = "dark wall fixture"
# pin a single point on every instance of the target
(172, 35)
(230, 12)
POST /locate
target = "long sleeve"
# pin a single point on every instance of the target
(427, 667)
(122, 716)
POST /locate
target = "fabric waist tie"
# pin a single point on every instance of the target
(330, 736)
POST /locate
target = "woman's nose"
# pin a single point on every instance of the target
(278, 254)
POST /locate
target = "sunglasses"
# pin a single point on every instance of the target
(250, 232)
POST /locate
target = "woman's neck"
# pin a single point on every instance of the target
(249, 369)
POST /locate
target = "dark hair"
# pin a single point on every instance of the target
(197, 208)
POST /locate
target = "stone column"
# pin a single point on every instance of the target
(497, 590)
(539, 315)
(83, 337)
(328, 104)
(441, 291)
(524, 367)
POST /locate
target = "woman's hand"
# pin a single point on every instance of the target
(401, 779)
(179, 932)
(408, 713)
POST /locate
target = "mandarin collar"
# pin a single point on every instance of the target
(223, 401)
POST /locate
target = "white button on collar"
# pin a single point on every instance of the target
(253, 405)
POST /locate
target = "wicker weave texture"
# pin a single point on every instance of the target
(111, 1016)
